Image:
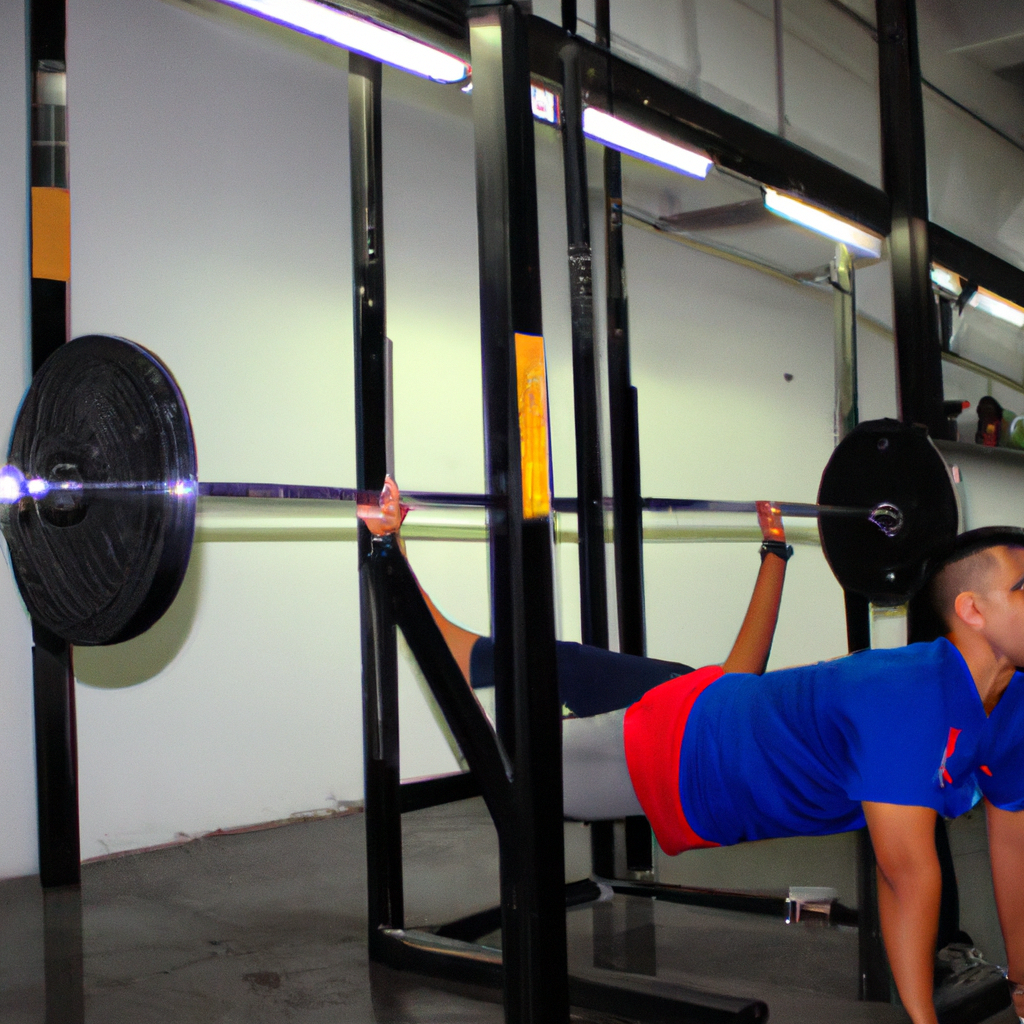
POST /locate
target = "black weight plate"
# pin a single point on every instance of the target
(101, 566)
(884, 461)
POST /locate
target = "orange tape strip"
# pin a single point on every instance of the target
(531, 375)
(51, 233)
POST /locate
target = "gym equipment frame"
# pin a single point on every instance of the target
(558, 56)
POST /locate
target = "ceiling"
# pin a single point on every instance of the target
(989, 32)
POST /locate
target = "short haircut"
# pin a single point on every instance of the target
(952, 569)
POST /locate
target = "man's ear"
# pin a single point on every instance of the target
(967, 610)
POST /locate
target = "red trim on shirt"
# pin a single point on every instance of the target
(954, 735)
(950, 749)
(653, 737)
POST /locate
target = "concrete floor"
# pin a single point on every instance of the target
(269, 926)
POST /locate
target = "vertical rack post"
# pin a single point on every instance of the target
(589, 475)
(589, 482)
(905, 178)
(873, 973)
(380, 658)
(844, 298)
(623, 416)
(918, 350)
(52, 670)
(522, 593)
(622, 405)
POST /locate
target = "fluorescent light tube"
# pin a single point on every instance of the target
(992, 304)
(628, 138)
(823, 223)
(366, 37)
(946, 279)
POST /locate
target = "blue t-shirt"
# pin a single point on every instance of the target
(795, 752)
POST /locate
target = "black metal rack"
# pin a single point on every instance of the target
(52, 671)
(526, 746)
(516, 768)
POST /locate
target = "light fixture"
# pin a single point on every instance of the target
(990, 303)
(354, 33)
(823, 223)
(946, 280)
(638, 142)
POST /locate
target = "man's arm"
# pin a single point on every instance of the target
(909, 890)
(386, 517)
(754, 643)
(1006, 851)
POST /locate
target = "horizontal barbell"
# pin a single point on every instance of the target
(15, 487)
(98, 497)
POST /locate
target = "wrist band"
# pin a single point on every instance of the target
(776, 547)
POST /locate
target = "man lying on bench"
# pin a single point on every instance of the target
(890, 738)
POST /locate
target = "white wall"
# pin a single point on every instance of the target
(975, 180)
(17, 774)
(711, 342)
(992, 484)
(974, 175)
(949, 33)
(210, 222)
(434, 323)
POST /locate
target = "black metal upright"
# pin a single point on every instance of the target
(918, 354)
(380, 658)
(527, 704)
(622, 405)
(623, 420)
(905, 178)
(52, 670)
(589, 474)
(589, 481)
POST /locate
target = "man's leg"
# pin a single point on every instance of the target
(591, 681)
(595, 779)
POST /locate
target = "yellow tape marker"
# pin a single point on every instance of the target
(531, 377)
(51, 233)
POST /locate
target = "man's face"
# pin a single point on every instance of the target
(1001, 602)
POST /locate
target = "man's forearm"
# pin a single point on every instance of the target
(754, 643)
(1006, 850)
(909, 891)
(909, 911)
(460, 641)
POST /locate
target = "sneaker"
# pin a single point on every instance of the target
(968, 989)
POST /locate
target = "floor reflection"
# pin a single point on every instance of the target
(624, 938)
(62, 955)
